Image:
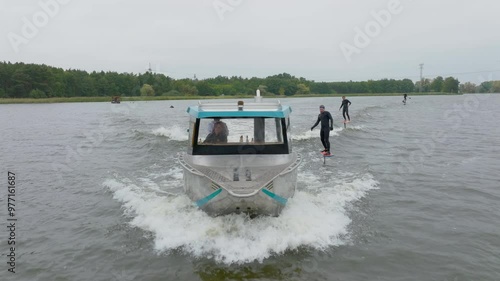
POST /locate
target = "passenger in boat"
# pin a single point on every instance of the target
(211, 126)
(218, 135)
(326, 120)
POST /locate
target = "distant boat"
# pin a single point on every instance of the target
(227, 173)
(115, 99)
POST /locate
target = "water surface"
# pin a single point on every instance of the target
(411, 193)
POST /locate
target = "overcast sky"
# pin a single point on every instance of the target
(322, 40)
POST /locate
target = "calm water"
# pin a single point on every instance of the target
(412, 193)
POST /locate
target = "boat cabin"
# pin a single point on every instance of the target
(239, 128)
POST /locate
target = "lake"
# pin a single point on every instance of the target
(411, 193)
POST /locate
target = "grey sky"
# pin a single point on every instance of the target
(257, 37)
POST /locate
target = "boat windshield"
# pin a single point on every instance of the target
(235, 131)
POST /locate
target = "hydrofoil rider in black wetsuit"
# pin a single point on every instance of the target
(345, 104)
(326, 126)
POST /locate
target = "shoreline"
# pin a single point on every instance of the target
(141, 98)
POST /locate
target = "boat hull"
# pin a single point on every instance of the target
(256, 185)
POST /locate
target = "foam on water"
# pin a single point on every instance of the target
(316, 217)
(175, 133)
(356, 128)
(313, 134)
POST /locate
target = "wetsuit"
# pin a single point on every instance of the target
(404, 96)
(326, 126)
(345, 104)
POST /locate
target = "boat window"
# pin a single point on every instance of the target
(235, 131)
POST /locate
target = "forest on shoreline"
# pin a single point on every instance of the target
(35, 81)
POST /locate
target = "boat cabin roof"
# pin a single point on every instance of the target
(239, 109)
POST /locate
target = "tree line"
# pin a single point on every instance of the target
(484, 87)
(20, 80)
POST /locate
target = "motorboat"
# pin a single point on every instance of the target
(239, 157)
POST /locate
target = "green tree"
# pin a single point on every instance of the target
(302, 89)
(263, 90)
(450, 85)
(485, 87)
(4, 76)
(204, 88)
(88, 88)
(19, 79)
(224, 90)
(426, 85)
(468, 87)
(186, 87)
(164, 83)
(103, 87)
(21, 84)
(147, 90)
(273, 85)
(437, 84)
(407, 86)
(172, 93)
(321, 88)
(495, 87)
(58, 89)
(281, 91)
(190, 90)
(290, 88)
(37, 94)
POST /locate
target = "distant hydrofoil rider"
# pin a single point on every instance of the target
(345, 104)
(404, 96)
(326, 126)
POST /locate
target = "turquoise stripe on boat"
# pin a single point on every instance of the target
(279, 113)
(278, 198)
(205, 200)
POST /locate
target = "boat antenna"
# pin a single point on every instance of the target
(258, 98)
